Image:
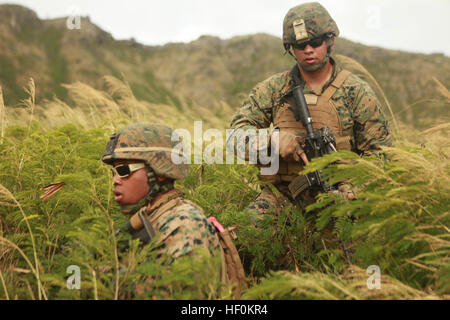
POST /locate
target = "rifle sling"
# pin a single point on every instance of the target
(147, 226)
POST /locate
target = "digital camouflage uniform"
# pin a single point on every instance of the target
(345, 103)
(180, 226)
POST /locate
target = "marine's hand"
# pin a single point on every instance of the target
(289, 146)
(346, 191)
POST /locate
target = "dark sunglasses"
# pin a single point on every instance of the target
(124, 170)
(316, 42)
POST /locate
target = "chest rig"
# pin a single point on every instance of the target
(143, 223)
(323, 113)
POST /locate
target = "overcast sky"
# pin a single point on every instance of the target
(411, 25)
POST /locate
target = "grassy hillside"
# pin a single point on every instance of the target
(203, 73)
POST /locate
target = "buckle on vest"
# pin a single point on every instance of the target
(311, 99)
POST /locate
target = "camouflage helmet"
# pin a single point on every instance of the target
(307, 21)
(149, 142)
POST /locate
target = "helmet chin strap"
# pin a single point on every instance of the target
(156, 187)
(133, 208)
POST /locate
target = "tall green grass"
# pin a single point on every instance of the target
(398, 221)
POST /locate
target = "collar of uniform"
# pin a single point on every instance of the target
(320, 90)
(165, 197)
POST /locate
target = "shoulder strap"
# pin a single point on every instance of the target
(155, 215)
(336, 84)
(169, 195)
(141, 223)
(340, 78)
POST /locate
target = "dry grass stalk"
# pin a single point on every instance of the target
(2, 116)
(113, 108)
(30, 102)
(390, 288)
(353, 65)
(20, 270)
(51, 189)
(4, 285)
(10, 197)
(442, 89)
(436, 129)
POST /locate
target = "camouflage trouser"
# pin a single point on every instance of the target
(267, 203)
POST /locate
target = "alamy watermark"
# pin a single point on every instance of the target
(74, 18)
(255, 146)
(74, 281)
(374, 281)
(373, 17)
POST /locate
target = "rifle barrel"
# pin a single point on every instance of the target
(302, 111)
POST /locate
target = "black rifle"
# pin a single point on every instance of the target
(317, 144)
(144, 232)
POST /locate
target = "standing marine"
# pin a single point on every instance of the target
(336, 98)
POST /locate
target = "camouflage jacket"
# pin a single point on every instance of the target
(181, 226)
(359, 111)
(181, 229)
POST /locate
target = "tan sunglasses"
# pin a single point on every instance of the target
(123, 170)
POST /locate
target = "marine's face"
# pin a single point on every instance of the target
(310, 59)
(131, 189)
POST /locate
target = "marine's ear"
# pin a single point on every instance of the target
(161, 178)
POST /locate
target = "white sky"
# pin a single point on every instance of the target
(411, 25)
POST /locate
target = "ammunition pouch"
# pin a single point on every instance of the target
(303, 182)
(232, 264)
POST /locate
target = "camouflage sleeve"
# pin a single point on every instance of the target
(371, 128)
(256, 113)
(256, 110)
(186, 229)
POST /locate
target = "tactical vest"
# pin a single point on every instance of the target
(232, 270)
(323, 113)
(142, 226)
